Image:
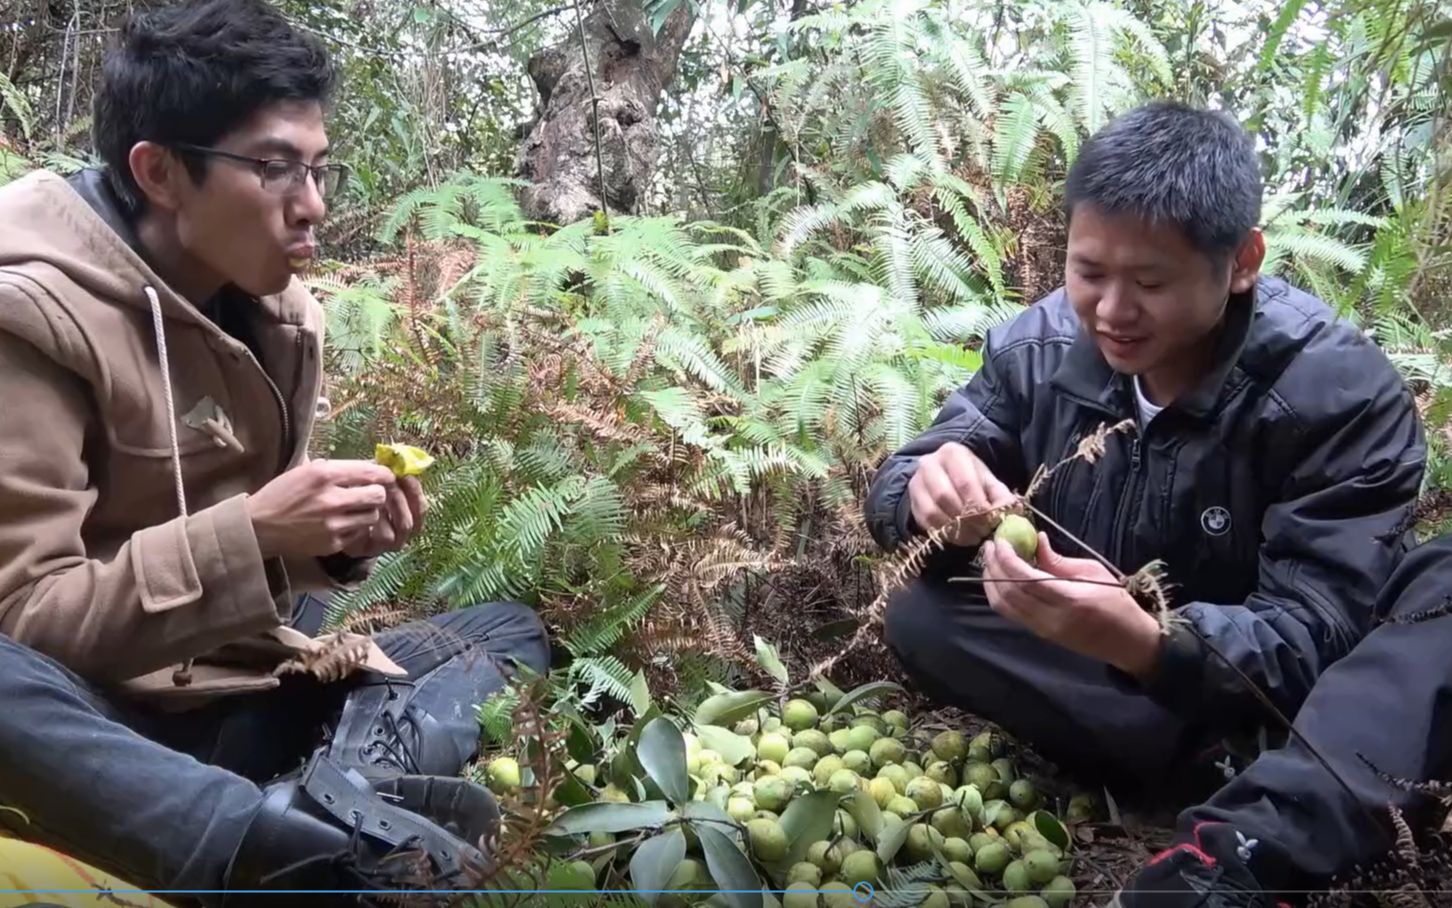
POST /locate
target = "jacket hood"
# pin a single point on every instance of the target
(47, 221)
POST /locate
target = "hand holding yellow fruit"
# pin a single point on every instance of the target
(403, 460)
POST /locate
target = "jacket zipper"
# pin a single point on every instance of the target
(1120, 530)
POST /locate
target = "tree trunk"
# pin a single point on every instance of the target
(630, 68)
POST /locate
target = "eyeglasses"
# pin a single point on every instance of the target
(280, 175)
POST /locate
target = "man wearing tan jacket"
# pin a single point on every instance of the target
(169, 713)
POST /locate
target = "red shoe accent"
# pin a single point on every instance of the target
(1194, 849)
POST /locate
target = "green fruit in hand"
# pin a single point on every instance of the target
(885, 751)
(934, 898)
(897, 775)
(1003, 766)
(951, 821)
(799, 715)
(950, 746)
(796, 775)
(1059, 892)
(822, 770)
(800, 895)
(1026, 901)
(1016, 878)
(773, 746)
(1041, 865)
(825, 857)
(861, 737)
(896, 717)
(773, 793)
(740, 809)
(942, 772)
(838, 894)
(918, 846)
(924, 792)
(861, 867)
(991, 859)
(882, 791)
(903, 806)
(813, 738)
(957, 849)
(768, 841)
(858, 761)
(804, 757)
(1019, 532)
(805, 872)
(503, 774)
(844, 781)
(839, 740)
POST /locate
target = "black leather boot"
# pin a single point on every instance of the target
(383, 732)
(327, 829)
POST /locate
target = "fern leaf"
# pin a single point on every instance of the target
(1015, 131)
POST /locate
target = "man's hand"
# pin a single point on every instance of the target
(1095, 620)
(398, 524)
(953, 481)
(320, 507)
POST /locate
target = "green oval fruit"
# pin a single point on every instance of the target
(799, 715)
(796, 775)
(1026, 901)
(1033, 840)
(942, 772)
(882, 791)
(772, 723)
(804, 757)
(805, 872)
(1023, 795)
(1041, 865)
(503, 774)
(586, 773)
(839, 739)
(886, 751)
(847, 825)
(993, 743)
(969, 800)
(746, 728)
(1019, 532)
(1013, 834)
(991, 859)
(980, 776)
(950, 746)
(871, 720)
(773, 746)
(1081, 808)
(957, 849)
(918, 846)
(861, 737)
(858, 761)
(773, 793)
(613, 795)
(825, 857)
(896, 717)
(934, 898)
(800, 895)
(1016, 878)
(902, 806)
(766, 815)
(1059, 892)
(861, 867)
(845, 781)
(815, 739)
(740, 809)
(768, 841)
(979, 839)
(1003, 766)
(838, 894)
(913, 767)
(951, 821)
(824, 767)
(897, 775)
(924, 792)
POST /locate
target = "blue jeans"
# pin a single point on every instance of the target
(162, 799)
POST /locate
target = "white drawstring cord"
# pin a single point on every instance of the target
(181, 493)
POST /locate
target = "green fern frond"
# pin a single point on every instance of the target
(1316, 247)
(596, 636)
(607, 673)
(1091, 51)
(17, 104)
(1015, 131)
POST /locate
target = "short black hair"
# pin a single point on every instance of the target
(1170, 163)
(193, 72)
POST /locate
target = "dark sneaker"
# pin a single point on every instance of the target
(1209, 871)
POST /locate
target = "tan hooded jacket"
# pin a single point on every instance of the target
(132, 430)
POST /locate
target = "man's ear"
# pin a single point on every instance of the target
(157, 172)
(1248, 259)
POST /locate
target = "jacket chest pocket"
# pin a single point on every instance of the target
(1075, 492)
(1214, 516)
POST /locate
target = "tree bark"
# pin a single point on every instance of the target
(629, 67)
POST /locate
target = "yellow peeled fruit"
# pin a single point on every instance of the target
(1017, 531)
(403, 460)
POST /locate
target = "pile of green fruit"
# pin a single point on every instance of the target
(815, 798)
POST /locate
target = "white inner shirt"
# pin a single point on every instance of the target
(1147, 410)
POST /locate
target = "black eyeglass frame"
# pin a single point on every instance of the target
(274, 170)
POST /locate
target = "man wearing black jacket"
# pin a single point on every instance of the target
(1270, 463)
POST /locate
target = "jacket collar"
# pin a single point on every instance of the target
(1086, 376)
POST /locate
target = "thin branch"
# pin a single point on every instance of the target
(595, 106)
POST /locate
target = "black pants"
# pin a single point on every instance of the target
(1389, 701)
(1064, 705)
(162, 799)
